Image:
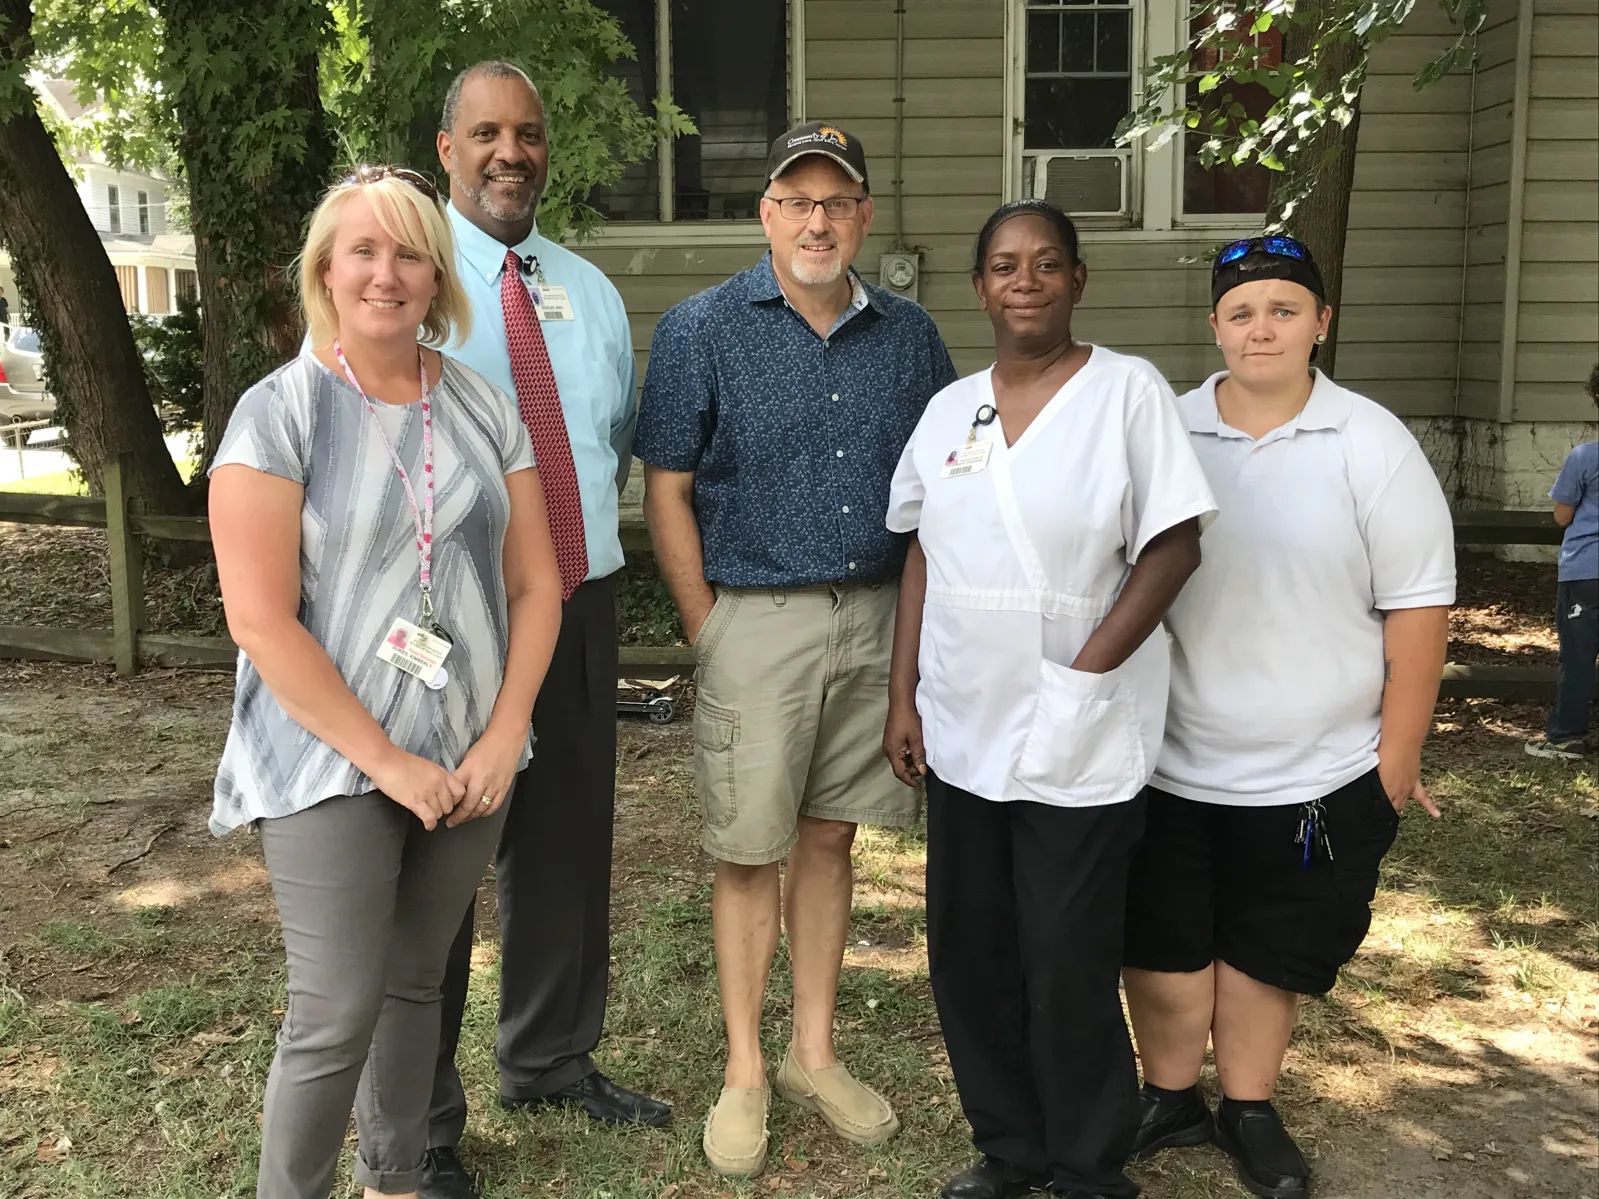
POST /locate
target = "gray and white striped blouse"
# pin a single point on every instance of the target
(359, 570)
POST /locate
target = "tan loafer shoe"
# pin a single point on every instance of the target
(735, 1132)
(850, 1108)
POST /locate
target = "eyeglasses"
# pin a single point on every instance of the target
(1279, 247)
(371, 172)
(799, 208)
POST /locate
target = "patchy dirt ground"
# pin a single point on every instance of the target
(140, 971)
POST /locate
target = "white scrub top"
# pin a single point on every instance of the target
(1277, 671)
(1024, 559)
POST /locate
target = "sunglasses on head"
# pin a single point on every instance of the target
(1279, 247)
(371, 173)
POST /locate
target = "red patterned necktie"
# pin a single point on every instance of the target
(540, 405)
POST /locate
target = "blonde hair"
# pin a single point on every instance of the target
(411, 218)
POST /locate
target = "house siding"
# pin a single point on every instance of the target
(1401, 321)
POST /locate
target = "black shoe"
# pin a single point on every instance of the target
(1269, 1163)
(444, 1177)
(992, 1178)
(1169, 1120)
(603, 1100)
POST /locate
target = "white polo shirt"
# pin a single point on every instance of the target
(1277, 659)
(1024, 559)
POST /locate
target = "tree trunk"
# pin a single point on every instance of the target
(248, 203)
(94, 367)
(1321, 220)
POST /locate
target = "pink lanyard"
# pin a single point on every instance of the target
(421, 520)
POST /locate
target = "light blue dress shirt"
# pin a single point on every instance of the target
(593, 360)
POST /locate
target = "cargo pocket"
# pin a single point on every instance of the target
(1084, 734)
(715, 735)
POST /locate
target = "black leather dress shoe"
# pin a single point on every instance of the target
(603, 1100)
(444, 1177)
(1168, 1121)
(992, 1178)
(1269, 1164)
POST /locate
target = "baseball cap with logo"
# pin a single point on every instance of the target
(818, 137)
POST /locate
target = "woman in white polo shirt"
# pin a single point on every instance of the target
(1305, 666)
(1056, 504)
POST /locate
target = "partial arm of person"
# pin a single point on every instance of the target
(675, 536)
(902, 736)
(1565, 514)
(1568, 489)
(1159, 574)
(533, 610)
(1415, 642)
(255, 530)
(625, 420)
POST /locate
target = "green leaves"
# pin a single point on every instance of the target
(1314, 89)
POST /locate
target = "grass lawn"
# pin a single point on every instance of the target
(141, 984)
(61, 482)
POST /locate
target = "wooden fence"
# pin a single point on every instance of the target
(127, 643)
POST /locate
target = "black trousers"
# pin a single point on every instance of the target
(553, 875)
(1025, 908)
(1577, 621)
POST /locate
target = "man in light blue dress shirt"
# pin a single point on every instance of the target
(553, 869)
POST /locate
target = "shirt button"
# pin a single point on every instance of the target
(835, 395)
(846, 507)
(840, 453)
(852, 566)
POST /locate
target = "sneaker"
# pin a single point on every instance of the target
(1569, 751)
(1268, 1162)
(1170, 1119)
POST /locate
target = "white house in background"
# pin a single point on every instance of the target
(129, 211)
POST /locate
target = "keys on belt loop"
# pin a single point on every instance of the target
(1313, 832)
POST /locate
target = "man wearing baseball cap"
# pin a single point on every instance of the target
(775, 408)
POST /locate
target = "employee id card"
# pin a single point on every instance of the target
(967, 459)
(416, 651)
(550, 301)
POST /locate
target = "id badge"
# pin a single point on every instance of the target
(550, 301)
(967, 459)
(416, 651)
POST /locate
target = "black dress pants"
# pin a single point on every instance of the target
(1025, 908)
(553, 875)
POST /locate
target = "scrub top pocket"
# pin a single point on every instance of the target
(1084, 736)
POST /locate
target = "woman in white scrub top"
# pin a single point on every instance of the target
(1057, 506)
(1305, 665)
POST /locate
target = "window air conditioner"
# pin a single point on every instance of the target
(1082, 182)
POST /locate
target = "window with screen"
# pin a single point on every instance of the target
(1078, 84)
(155, 290)
(144, 211)
(113, 207)
(128, 284)
(1223, 189)
(725, 63)
(186, 284)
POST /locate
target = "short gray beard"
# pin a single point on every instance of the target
(816, 278)
(510, 216)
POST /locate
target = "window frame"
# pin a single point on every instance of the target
(1242, 222)
(668, 230)
(113, 208)
(1137, 179)
(1155, 182)
(142, 201)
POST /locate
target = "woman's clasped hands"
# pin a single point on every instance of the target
(475, 788)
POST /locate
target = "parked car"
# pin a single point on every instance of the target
(22, 393)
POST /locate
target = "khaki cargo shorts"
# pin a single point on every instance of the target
(793, 696)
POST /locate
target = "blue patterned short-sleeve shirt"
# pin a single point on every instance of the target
(792, 438)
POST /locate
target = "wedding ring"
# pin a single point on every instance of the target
(485, 801)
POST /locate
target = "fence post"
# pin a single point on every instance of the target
(127, 566)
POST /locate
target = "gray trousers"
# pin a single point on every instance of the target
(369, 901)
(553, 877)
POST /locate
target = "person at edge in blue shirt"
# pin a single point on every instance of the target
(556, 315)
(1576, 497)
(775, 408)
